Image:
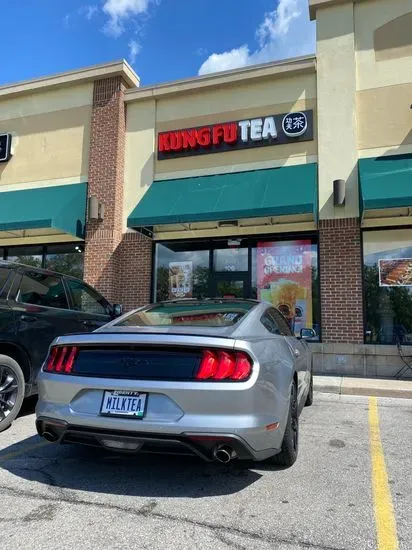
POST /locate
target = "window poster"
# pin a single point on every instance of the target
(284, 278)
(180, 280)
(395, 272)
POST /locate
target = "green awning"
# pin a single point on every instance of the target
(386, 182)
(272, 192)
(61, 207)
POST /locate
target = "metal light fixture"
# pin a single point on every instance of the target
(228, 223)
(339, 192)
(95, 209)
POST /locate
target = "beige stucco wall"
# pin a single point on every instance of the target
(385, 120)
(139, 152)
(336, 81)
(50, 137)
(376, 69)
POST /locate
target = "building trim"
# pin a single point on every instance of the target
(43, 183)
(288, 67)
(89, 74)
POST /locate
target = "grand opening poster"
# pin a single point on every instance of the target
(180, 280)
(284, 278)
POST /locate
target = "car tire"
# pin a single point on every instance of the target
(309, 398)
(290, 444)
(12, 387)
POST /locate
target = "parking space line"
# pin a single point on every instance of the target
(382, 499)
(24, 450)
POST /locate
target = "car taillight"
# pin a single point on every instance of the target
(61, 359)
(224, 365)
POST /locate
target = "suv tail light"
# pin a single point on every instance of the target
(224, 365)
(61, 359)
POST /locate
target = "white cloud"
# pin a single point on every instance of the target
(120, 11)
(285, 32)
(88, 11)
(134, 50)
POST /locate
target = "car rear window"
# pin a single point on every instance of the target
(221, 314)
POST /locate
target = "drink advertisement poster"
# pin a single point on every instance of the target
(180, 280)
(284, 278)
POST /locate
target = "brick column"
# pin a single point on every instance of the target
(135, 262)
(106, 171)
(117, 264)
(340, 262)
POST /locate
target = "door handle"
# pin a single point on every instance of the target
(296, 353)
(90, 323)
(28, 319)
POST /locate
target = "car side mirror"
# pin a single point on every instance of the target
(117, 310)
(307, 334)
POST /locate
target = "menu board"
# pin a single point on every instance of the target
(395, 272)
(284, 278)
(180, 280)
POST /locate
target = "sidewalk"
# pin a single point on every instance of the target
(363, 386)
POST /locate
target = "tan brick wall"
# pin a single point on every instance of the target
(340, 263)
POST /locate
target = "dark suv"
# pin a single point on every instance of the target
(36, 306)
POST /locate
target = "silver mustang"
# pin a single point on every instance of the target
(221, 379)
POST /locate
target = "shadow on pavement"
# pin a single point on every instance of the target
(146, 475)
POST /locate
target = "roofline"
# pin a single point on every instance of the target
(287, 67)
(314, 5)
(88, 74)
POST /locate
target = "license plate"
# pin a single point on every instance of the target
(124, 403)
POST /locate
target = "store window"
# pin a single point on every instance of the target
(388, 286)
(65, 258)
(282, 272)
(182, 271)
(285, 273)
(27, 255)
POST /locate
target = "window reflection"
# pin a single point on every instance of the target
(388, 286)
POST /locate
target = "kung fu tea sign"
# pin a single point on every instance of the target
(240, 134)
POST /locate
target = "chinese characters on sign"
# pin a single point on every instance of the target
(285, 279)
(180, 280)
(295, 124)
(241, 134)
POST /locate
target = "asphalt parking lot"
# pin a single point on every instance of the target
(336, 497)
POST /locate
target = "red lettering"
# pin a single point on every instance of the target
(230, 132)
(189, 139)
(218, 133)
(175, 141)
(164, 144)
(203, 137)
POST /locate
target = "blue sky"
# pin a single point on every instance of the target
(162, 39)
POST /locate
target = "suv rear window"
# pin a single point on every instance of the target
(220, 314)
(4, 275)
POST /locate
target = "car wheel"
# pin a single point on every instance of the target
(309, 398)
(11, 390)
(289, 451)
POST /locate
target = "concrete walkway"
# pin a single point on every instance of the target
(363, 386)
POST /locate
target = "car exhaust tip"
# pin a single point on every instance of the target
(50, 436)
(224, 454)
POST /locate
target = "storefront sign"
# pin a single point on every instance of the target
(285, 279)
(180, 280)
(241, 134)
(5, 147)
(395, 272)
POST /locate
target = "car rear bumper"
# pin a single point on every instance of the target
(197, 443)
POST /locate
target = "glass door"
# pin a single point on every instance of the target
(230, 285)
